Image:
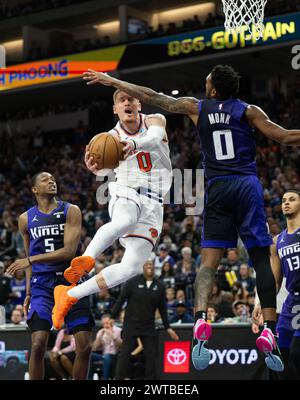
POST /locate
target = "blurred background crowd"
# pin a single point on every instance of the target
(10, 9)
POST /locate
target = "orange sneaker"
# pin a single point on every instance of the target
(62, 304)
(79, 267)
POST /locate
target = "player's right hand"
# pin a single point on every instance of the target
(93, 77)
(257, 315)
(26, 305)
(89, 162)
(255, 328)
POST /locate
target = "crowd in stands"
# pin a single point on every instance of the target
(177, 256)
(71, 45)
(147, 31)
(10, 9)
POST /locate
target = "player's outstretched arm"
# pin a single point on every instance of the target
(181, 105)
(259, 119)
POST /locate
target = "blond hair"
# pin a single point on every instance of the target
(119, 91)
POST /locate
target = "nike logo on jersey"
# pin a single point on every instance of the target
(58, 214)
(34, 219)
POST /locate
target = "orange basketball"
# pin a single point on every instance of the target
(106, 150)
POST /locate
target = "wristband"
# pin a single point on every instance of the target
(134, 142)
(30, 263)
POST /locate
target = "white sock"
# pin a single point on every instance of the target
(84, 289)
(125, 214)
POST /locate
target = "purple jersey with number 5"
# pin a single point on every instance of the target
(226, 138)
(46, 235)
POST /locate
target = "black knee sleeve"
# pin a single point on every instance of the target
(265, 281)
(295, 356)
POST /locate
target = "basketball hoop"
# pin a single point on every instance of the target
(249, 13)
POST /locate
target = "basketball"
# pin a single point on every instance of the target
(106, 150)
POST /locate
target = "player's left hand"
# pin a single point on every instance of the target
(255, 328)
(129, 146)
(89, 162)
(173, 335)
(22, 263)
(93, 77)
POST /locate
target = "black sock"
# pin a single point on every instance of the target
(271, 325)
(200, 315)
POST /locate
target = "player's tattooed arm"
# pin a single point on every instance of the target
(275, 264)
(181, 105)
(260, 120)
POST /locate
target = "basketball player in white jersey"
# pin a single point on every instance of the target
(135, 208)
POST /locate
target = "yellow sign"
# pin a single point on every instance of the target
(220, 40)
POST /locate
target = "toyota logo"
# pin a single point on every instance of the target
(176, 356)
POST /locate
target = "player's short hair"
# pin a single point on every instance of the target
(226, 81)
(116, 94)
(292, 191)
(34, 178)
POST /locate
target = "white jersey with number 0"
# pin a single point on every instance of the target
(150, 170)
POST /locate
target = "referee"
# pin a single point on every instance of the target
(144, 295)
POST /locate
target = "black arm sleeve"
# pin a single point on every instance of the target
(163, 309)
(124, 295)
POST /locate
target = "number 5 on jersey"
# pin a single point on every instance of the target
(49, 245)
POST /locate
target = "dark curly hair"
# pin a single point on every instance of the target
(226, 81)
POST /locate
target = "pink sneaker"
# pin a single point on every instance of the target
(267, 343)
(200, 354)
(202, 330)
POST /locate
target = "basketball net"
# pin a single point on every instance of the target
(241, 13)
